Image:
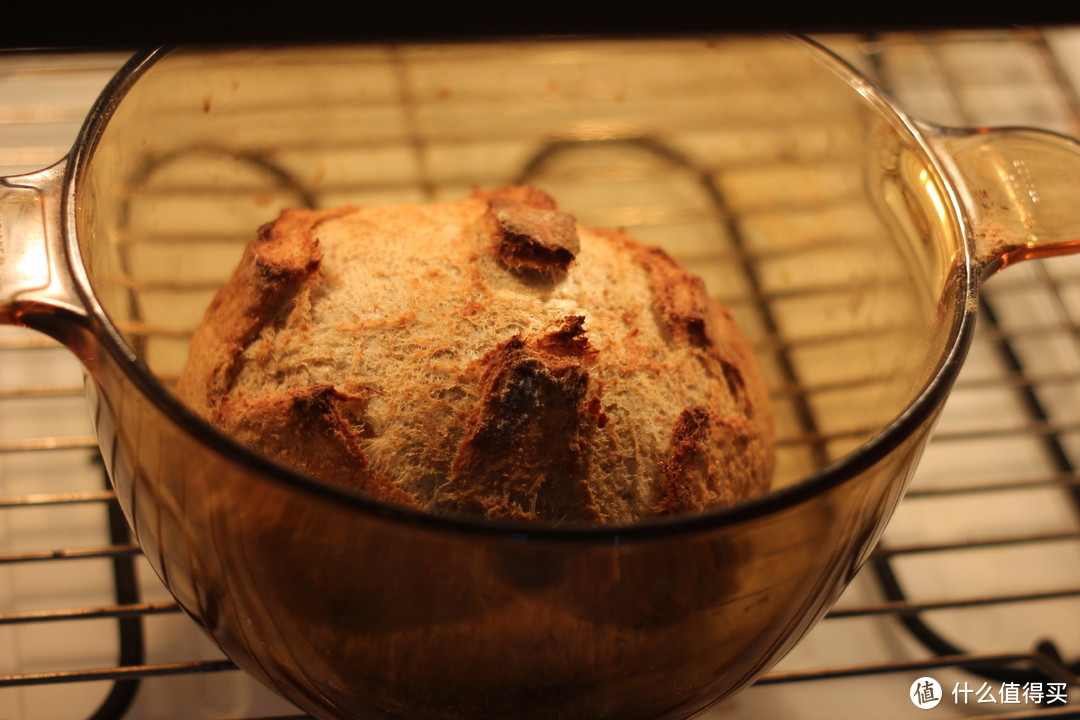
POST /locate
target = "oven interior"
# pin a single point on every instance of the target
(977, 580)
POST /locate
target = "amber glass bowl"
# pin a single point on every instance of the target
(848, 239)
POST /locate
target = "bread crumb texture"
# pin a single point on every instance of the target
(489, 356)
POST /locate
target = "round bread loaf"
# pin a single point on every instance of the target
(485, 356)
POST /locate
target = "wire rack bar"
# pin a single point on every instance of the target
(117, 673)
(1052, 481)
(909, 608)
(992, 659)
(70, 498)
(117, 611)
(109, 551)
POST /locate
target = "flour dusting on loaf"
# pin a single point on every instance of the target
(488, 356)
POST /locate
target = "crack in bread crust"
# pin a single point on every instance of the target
(709, 455)
(316, 430)
(523, 455)
(681, 302)
(274, 268)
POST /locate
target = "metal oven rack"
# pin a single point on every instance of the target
(976, 584)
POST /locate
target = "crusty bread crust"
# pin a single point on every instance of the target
(485, 356)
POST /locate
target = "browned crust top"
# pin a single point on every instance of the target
(524, 447)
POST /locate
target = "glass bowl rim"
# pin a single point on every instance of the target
(919, 411)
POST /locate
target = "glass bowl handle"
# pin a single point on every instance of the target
(1021, 189)
(37, 289)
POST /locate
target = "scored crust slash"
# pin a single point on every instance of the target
(489, 356)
